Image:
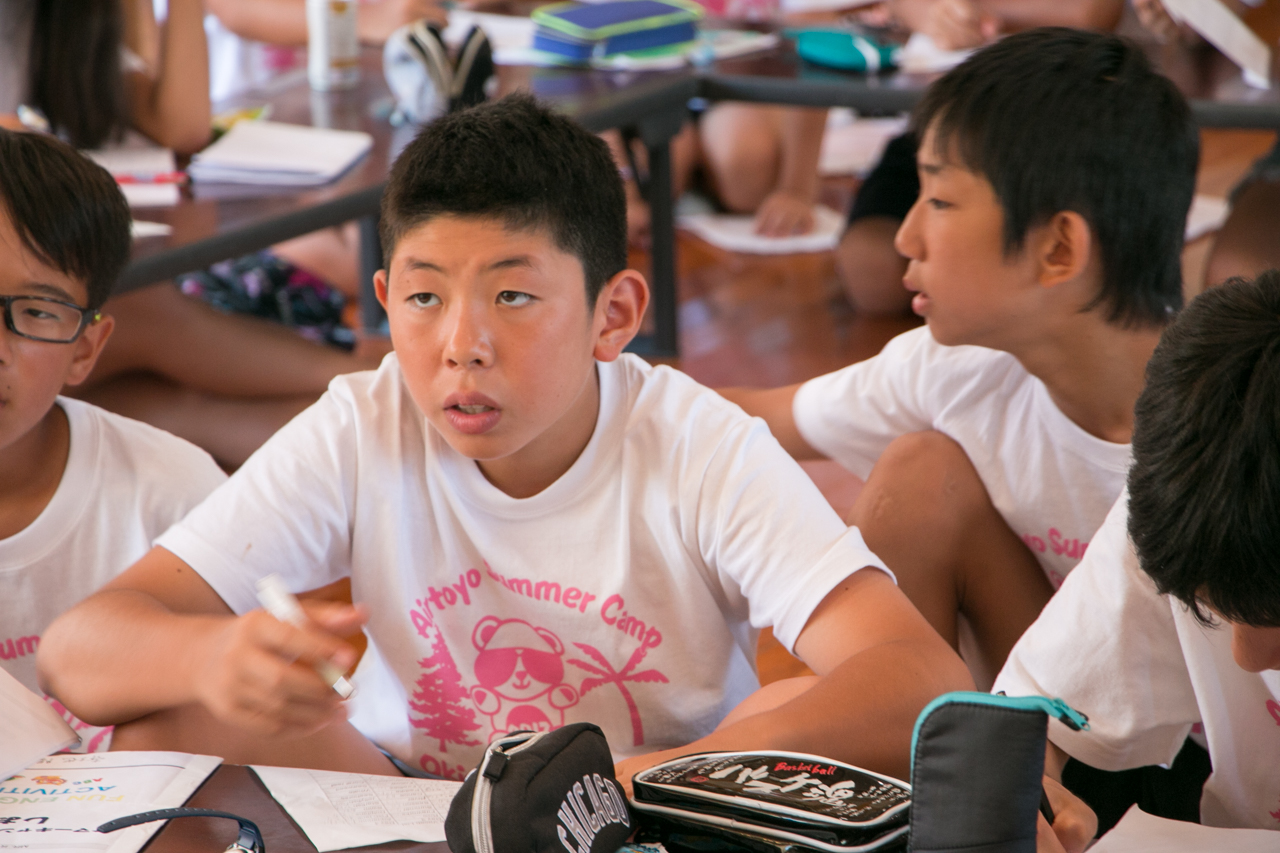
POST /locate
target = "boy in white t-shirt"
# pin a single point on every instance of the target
(537, 528)
(1056, 170)
(1174, 628)
(83, 493)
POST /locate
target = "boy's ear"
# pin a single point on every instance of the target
(380, 287)
(1066, 248)
(619, 311)
(88, 347)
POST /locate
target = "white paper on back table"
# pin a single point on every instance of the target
(268, 152)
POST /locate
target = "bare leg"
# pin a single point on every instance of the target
(192, 729)
(742, 152)
(229, 428)
(331, 254)
(159, 330)
(684, 158)
(871, 269)
(1249, 241)
(925, 511)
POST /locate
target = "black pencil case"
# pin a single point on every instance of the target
(771, 801)
(977, 771)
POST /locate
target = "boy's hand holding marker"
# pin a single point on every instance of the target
(280, 672)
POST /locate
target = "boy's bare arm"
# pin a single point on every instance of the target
(774, 406)
(879, 664)
(159, 637)
(284, 22)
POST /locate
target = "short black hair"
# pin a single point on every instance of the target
(515, 160)
(1059, 119)
(1204, 489)
(68, 211)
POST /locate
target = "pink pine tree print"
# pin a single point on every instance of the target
(440, 696)
(606, 674)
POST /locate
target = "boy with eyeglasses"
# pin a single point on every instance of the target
(82, 492)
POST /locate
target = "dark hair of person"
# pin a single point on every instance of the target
(74, 68)
(68, 211)
(1067, 120)
(1204, 489)
(519, 162)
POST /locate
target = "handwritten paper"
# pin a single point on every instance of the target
(341, 810)
(31, 728)
(58, 802)
(1139, 832)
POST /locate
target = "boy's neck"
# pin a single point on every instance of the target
(544, 460)
(1093, 370)
(31, 469)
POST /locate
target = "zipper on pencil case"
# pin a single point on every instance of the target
(495, 761)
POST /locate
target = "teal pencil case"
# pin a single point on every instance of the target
(845, 50)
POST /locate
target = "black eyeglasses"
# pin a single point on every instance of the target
(43, 319)
(249, 840)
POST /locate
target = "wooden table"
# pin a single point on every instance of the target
(233, 788)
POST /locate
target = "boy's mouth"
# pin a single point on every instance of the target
(471, 414)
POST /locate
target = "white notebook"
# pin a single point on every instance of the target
(268, 152)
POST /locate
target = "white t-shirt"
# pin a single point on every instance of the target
(628, 593)
(124, 484)
(238, 65)
(1051, 481)
(1146, 672)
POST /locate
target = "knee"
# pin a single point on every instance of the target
(922, 480)
(871, 269)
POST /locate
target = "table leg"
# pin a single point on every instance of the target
(371, 313)
(666, 340)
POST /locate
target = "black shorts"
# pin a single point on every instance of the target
(1172, 793)
(893, 184)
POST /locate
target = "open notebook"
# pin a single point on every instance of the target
(269, 152)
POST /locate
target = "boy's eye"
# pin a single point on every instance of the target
(424, 300)
(938, 204)
(513, 297)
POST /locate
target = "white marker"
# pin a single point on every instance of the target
(280, 603)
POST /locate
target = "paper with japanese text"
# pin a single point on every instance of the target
(341, 810)
(58, 802)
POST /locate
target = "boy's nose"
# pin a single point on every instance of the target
(907, 240)
(467, 344)
(1255, 649)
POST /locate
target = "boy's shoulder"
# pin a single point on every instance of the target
(131, 452)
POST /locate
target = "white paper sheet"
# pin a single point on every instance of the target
(58, 802)
(1139, 832)
(737, 233)
(269, 152)
(853, 146)
(1207, 214)
(921, 55)
(1222, 29)
(29, 728)
(138, 161)
(341, 810)
(141, 228)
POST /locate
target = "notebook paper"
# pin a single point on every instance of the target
(341, 810)
(1222, 29)
(735, 233)
(268, 152)
(1139, 832)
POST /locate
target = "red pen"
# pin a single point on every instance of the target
(155, 178)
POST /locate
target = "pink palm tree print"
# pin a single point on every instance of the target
(606, 674)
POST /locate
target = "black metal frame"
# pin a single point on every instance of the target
(652, 111)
